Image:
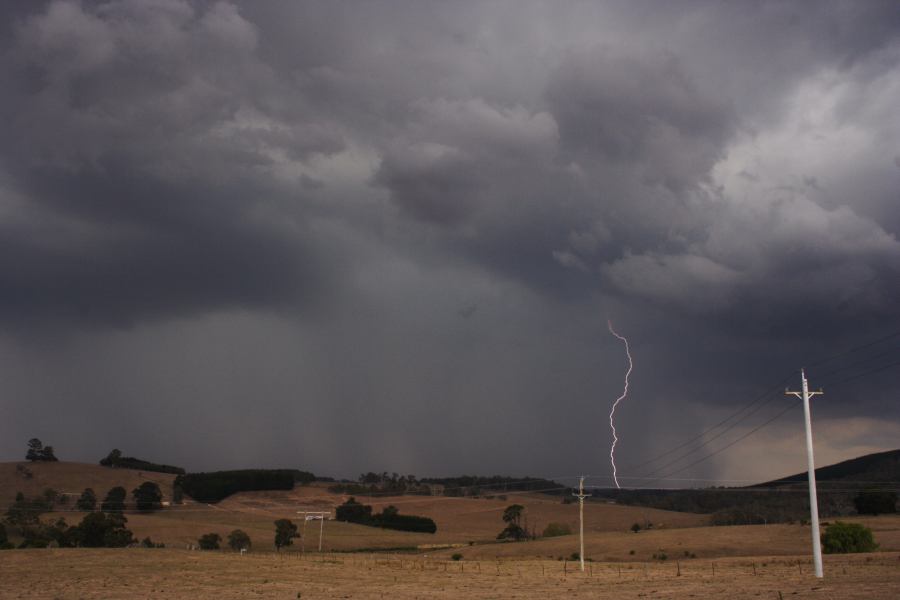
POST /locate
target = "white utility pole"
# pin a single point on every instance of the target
(581, 496)
(805, 395)
(313, 516)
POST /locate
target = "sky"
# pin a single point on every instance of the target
(388, 236)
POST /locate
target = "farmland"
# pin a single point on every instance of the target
(166, 573)
(674, 555)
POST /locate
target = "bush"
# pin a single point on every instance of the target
(636, 527)
(210, 541)
(845, 538)
(457, 556)
(557, 529)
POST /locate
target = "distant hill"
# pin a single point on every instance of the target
(781, 500)
(881, 467)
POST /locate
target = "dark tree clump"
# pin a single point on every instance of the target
(213, 487)
(37, 451)
(87, 501)
(210, 541)
(102, 530)
(875, 502)
(115, 460)
(147, 496)
(389, 518)
(115, 500)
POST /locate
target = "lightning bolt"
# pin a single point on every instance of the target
(612, 449)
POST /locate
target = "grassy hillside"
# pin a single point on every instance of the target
(71, 478)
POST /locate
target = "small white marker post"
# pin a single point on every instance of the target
(805, 395)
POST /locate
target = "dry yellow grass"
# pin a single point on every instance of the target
(138, 573)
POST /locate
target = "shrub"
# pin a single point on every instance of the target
(574, 556)
(636, 527)
(557, 529)
(210, 541)
(842, 538)
(457, 556)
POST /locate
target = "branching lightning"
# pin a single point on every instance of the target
(612, 449)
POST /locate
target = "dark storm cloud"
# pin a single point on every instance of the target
(300, 206)
(144, 138)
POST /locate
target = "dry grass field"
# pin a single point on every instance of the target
(63, 574)
(714, 562)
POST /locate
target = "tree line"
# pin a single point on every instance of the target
(352, 511)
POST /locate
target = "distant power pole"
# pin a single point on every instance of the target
(581, 496)
(805, 395)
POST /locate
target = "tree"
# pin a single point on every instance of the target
(87, 501)
(285, 532)
(99, 530)
(841, 538)
(353, 512)
(511, 516)
(112, 459)
(24, 512)
(238, 540)
(47, 454)
(875, 502)
(35, 449)
(210, 541)
(115, 500)
(147, 496)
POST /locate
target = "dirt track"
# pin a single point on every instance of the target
(140, 573)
